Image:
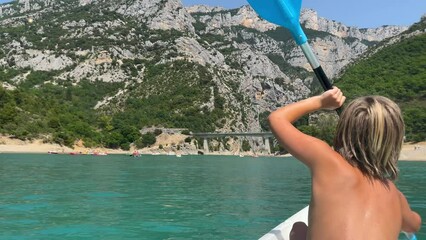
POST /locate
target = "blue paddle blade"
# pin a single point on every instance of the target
(285, 13)
(410, 236)
(280, 12)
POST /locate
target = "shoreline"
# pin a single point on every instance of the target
(409, 151)
(413, 152)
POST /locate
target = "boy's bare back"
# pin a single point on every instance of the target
(345, 204)
(351, 198)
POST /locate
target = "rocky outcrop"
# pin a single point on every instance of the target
(98, 67)
(332, 52)
(193, 51)
(311, 20)
(158, 14)
(245, 17)
(41, 61)
(339, 48)
(204, 9)
(85, 2)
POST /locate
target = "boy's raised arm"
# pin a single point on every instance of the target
(306, 148)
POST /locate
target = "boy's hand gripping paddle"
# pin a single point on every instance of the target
(286, 13)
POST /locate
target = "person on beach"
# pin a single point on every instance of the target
(353, 194)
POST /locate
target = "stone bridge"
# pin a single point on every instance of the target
(264, 135)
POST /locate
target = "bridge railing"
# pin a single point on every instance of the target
(233, 134)
(206, 136)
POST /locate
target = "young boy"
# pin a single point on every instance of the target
(353, 196)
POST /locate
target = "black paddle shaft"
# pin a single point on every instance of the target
(325, 83)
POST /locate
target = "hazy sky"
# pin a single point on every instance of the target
(360, 13)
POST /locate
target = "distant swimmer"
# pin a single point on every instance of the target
(353, 194)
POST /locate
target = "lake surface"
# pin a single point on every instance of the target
(159, 197)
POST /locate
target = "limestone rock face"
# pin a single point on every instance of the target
(204, 9)
(333, 53)
(245, 16)
(41, 61)
(192, 49)
(340, 47)
(158, 14)
(252, 64)
(84, 2)
(311, 20)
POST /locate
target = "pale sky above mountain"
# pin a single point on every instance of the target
(360, 13)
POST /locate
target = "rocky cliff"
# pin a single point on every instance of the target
(249, 66)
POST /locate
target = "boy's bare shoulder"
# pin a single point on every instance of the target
(337, 170)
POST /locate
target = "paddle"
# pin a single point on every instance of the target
(286, 13)
(410, 236)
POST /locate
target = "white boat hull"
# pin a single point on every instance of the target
(282, 231)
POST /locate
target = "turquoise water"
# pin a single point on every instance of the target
(159, 197)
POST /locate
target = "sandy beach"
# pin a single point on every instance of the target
(410, 151)
(413, 151)
(10, 145)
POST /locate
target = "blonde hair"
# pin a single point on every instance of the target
(369, 136)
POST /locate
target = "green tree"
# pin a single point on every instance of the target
(245, 146)
(114, 139)
(148, 139)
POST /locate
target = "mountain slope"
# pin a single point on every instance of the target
(396, 69)
(100, 70)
